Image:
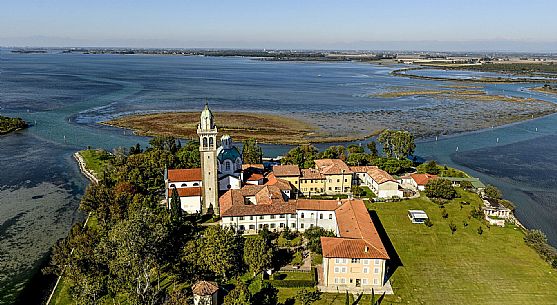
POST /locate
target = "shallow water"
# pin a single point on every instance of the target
(66, 94)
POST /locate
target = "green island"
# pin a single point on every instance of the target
(8, 124)
(454, 258)
(265, 128)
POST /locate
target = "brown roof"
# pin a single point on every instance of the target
(282, 184)
(186, 191)
(311, 173)
(269, 201)
(257, 166)
(422, 179)
(377, 174)
(203, 288)
(317, 205)
(254, 177)
(358, 236)
(286, 170)
(332, 167)
(185, 175)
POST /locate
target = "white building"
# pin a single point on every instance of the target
(188, 183)
(378, 180)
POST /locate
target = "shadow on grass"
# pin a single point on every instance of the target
(395, 260)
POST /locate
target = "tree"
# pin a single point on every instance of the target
(357, 159)
(188, 156)
(307, 297)
(268, 295)
(258, 254)
(440, 188)
(391, 165)
(333, 152)
(493, 192)
(240, 295)
(429, 167)
(372, 146)
(176, 208)
(303, 156)
(347, 299)
(452, 226)
(355, 149)
(167, 143)
(313, 236)
(397, 143)
(216, 253)
(251, 152)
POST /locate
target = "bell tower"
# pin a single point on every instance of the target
(207, 132)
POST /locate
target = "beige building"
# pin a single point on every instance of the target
(312, 182)
(338, 176)
(207, 132)
(379, 181)
(356, 259)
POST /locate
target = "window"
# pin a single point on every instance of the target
(375, 282)
(364, 281)
(252, 227)
(211, 142)
(242, 228)
(366, 270)
(184, 185)
(345, 180)
(241, 217)
(338, 180)
(251, 218)
(321, 216)
(343, 269)
(310, 225)
(172, 185)
(376, 270)
(377, 262)
(195, 184)
(329, 188)
(337, 269)
(204, 142)
(312, 215)
(355, 261)
(282, 216)
(293, 215)
(336, 280)
(342, 280)
(330, 216)
(281, 225)
(227, 165)
(273, 226)
(293, 225)
(365, 261)
(301, 226)
(261, 217)
(260, 226)
(231, 218)
(302, 215)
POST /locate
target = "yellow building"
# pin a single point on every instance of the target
(290, 173)
(312, 182)
(338, 176)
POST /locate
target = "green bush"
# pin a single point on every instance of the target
(440, 188)
(297, 260)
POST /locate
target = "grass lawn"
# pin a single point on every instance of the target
(95, 160)
(465, 268)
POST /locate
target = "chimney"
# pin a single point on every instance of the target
(366, 249)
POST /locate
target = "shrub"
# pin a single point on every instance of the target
(298, 259)
(465, 223)
(452, 226)
(440, 188)
(477, 213)
(493, 192)
(428, 223)
(480, 230)
(444, 214)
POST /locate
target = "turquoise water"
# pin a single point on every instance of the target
(65, 95)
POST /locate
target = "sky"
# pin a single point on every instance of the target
(444, 25)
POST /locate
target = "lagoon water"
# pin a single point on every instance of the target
(65, 95)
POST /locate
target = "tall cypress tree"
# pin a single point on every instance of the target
(175, 207)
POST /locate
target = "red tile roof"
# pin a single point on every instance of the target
(254, 177)
(358, 236)
(269, 201)
(203, 288)
(311, 173)
(332, 167)
(282, 184)
(184, 175)
(255, 166)
(422, 179)
(286, 170)
(317, 205)
(186, 192)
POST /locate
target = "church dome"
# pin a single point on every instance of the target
(229, 153)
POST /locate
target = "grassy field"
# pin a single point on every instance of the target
(465, 268)
(266, 128)
(96, 160)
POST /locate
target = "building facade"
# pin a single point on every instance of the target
(207, 132)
